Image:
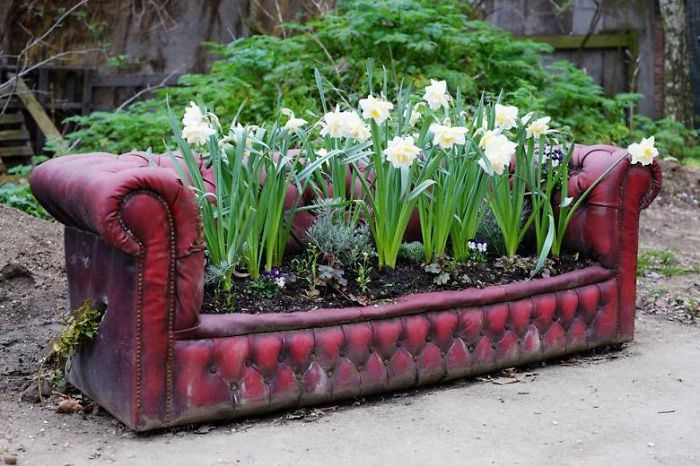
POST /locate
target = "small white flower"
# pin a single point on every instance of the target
(526, 119)
(193, 115)
(471, 245)
(322, 152)
(538, 127)
(436, 95)
(196, 128)
(334, 124)
(197, 134)
(415, 115)
(401, 151)
(355, 128)
(506, 116)
(376, 109)
(235, 134)
(293, 123)
(446, 136)
(280, 282)
(643, 152)
(488, 136)
(499, 152)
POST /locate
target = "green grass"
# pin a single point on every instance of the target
(663, 262)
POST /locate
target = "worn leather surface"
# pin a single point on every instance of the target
(133, 243)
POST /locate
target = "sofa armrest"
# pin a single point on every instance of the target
(606, 225)
(137, 205)
(602, 226)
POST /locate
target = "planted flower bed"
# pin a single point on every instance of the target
(364, 250)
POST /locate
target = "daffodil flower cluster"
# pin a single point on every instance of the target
(387, 159)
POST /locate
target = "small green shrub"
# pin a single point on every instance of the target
(412, 252)
(18, 194)
(415, 39)
(673, 139)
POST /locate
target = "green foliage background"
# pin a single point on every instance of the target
(415, 40)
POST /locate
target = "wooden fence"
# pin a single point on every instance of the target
(57, 92)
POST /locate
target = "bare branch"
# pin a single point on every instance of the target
(146, 89)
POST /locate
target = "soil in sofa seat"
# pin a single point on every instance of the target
(385, 285)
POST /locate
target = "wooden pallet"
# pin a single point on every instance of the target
(14, 137)
(15, 140)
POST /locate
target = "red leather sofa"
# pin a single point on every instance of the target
(133, 245)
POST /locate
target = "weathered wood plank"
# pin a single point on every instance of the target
(18, 151)
(37, 111)
(136, 80)
(11, 118)
(14, 135)
(596, 41)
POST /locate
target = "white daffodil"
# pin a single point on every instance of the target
(643, 152)
(416, 115)
(538, 127)
(401, 151)
(499, 152)
(506, 116)
(193, 115)
(293, 123)
(446, 136)
(235, 134)
(355, 128)
(196, 128)
(334, 124)
(376, 109)
(488, 136)
(436, 95)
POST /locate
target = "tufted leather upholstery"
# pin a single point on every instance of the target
(133, 243)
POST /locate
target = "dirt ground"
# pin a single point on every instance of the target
(638, 405)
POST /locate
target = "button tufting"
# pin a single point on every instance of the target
(212, 369)
(470, 348)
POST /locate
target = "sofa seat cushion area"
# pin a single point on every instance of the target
(234, 365)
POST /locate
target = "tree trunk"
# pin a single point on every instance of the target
(678, 96)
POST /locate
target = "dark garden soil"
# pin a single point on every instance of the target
(34, 304)
(385, 285)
